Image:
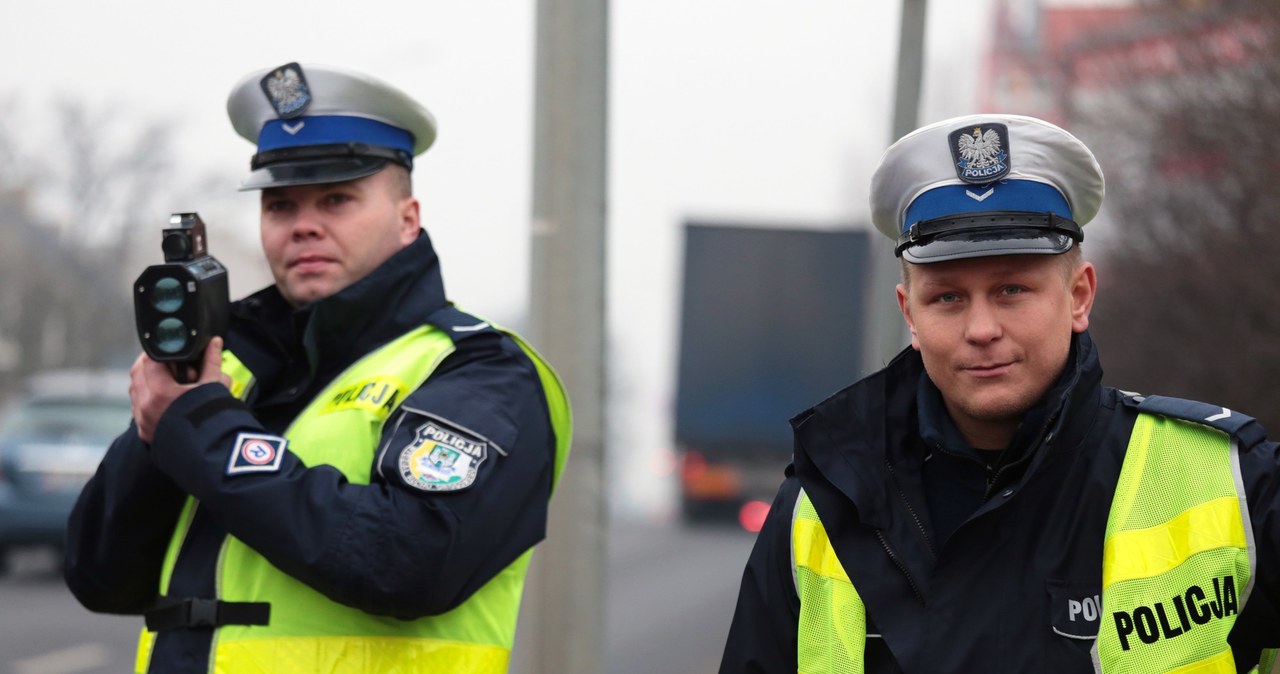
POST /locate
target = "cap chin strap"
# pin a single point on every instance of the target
(330, 151)
(989, 221)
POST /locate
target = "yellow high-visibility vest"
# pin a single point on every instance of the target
(1177, 563)
(309, 632)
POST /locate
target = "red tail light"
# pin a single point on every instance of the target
(752, 515)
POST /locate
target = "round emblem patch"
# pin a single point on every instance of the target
(440, 459)
(258, 452)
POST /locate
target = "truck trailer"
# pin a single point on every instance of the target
(771, 323)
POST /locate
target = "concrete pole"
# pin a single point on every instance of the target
(561, 627)
(887, 332)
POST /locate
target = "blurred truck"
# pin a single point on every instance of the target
(771, 323)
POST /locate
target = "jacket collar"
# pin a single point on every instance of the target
(937, 429)
(849, 442)
(394, 298)
(1070, 408)
(843, 442)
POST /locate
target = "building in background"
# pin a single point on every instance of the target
(1070, 61)
(1026, 66)
(1151, 86)
(1179, 102)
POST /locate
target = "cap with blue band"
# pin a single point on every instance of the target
(326, 129)
(321, 124)
(984, 185)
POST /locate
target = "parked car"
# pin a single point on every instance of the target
(51, 442)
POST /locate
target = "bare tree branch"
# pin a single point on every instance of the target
(1185, 120)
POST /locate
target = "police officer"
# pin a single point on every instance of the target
(356, 482)
(984, 503)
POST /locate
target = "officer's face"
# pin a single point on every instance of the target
(320, 239)
(994, 333)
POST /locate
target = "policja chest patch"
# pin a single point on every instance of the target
(441, 459)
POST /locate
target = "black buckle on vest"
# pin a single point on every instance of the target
(187, 613)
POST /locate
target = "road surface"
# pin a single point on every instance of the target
(670, 597)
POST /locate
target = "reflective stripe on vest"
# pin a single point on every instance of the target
(1269, 662)
(241, 378)
(309, 632)
(1177, 563)
(833, 620)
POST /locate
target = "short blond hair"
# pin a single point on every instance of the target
(402, 182)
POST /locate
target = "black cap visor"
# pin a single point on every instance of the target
(984, 234)
(312, 172)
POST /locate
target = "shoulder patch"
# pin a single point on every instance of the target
(442, 457)
(256, 453)
(1241, 426)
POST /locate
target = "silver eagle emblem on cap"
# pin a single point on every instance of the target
(286, 88)
(981, 155)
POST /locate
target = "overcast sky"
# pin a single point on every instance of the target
(757, 110)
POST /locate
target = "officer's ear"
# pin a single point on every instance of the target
(1083, 286)
(400, 185)
(410, 220)
(904, 305)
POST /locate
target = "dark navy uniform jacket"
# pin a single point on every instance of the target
(965, 568)
(386, 548)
